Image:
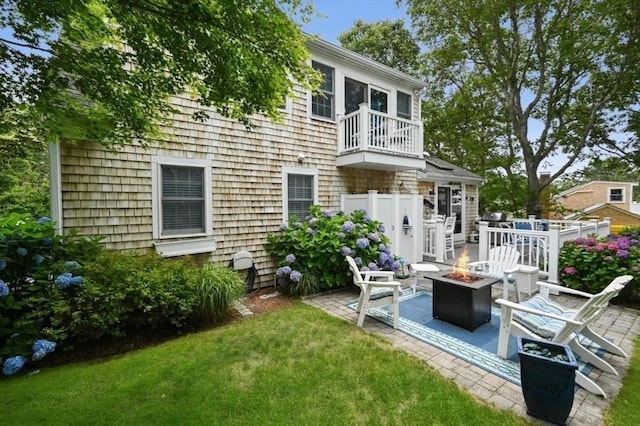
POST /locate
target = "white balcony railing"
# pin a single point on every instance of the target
(369, 130)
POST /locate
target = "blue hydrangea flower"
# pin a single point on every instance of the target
(72, 265)
(21, 251)
(38, 259)
(295, 276)
(284, 226)
(364, 269)
(41, 348)
(362, 243)
(395, 266)
(63, 280)
(383, 258)
(44, 220)
(373, 267)
(77, 280)
(3, 264)
(313, 221)
(327, 213)
(358, 261)
(279, 273)
(346, 251)
(47, 241)
(381, 229)
(13, 365)
(286, 270)
(347, 226)
(290, 258)
(341, 235)
(623, 254)
(4, 289)
(374, 237)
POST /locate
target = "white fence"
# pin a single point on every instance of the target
(539, 243)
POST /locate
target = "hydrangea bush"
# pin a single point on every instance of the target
(591, 263)
(311, 253)
(35, 274)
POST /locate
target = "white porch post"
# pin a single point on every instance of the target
(340, 146)
(483, 241)
(439, 241)
(554, 252)
(364, 125)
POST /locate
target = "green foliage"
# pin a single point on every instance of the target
(590, 264)
(117, 293)
(216, 288)
(504, 193)
(104, 70)
(565, 71)
(32, 260)
(387, 42)
(318, 247)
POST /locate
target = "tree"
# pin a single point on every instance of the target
(557, 70)
(104, 70)
(387, 42)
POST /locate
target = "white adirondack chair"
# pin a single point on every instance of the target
(375, 293)
(502, 263)
(540, 318)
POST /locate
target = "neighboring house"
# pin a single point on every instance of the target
(599, 199)
(449, 189)
(215, 188)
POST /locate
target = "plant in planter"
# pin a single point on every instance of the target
(547, 375)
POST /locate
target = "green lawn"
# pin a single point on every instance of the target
(294, 366)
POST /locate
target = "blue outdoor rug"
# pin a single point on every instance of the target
(478, 347)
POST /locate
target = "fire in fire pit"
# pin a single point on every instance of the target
(461, 271)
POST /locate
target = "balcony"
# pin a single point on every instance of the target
(370, 139)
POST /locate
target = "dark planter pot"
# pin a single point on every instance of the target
(548, 384)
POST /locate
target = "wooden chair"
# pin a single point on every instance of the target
(502, 263)
(375, 293)
(540, 318)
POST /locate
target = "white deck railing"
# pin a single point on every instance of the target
(382, 132)
(540, 245)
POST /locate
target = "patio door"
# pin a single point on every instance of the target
(449, 202)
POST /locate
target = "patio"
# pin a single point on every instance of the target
(620, 324)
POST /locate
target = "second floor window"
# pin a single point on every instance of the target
(404, 105)
(323, 104)
(616, 195)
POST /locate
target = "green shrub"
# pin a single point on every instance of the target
(591, 263)
(39, 273)
(216, 287)
(318, 247)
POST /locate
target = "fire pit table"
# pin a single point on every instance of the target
(465, 303)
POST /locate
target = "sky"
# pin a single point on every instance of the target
(341, 14)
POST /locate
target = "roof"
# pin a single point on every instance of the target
(584, 185)
(594, 208)
(438, 169)
(318, 45)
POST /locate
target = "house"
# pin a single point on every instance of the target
(449, 189)
(214, 188)
(600, 199)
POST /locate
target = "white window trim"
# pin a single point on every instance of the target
(288, 106)
(609, 195)
(182, 247)
(335, 94)
(286, 171)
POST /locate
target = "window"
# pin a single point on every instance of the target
(379, 100)
(300, 192)
(355, 93)
(404, 105)
(616, 195)
(322, 104)
(181, 197)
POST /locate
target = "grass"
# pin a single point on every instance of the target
(625, 408)
(294, 366)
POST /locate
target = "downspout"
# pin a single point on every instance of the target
(55, 185)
